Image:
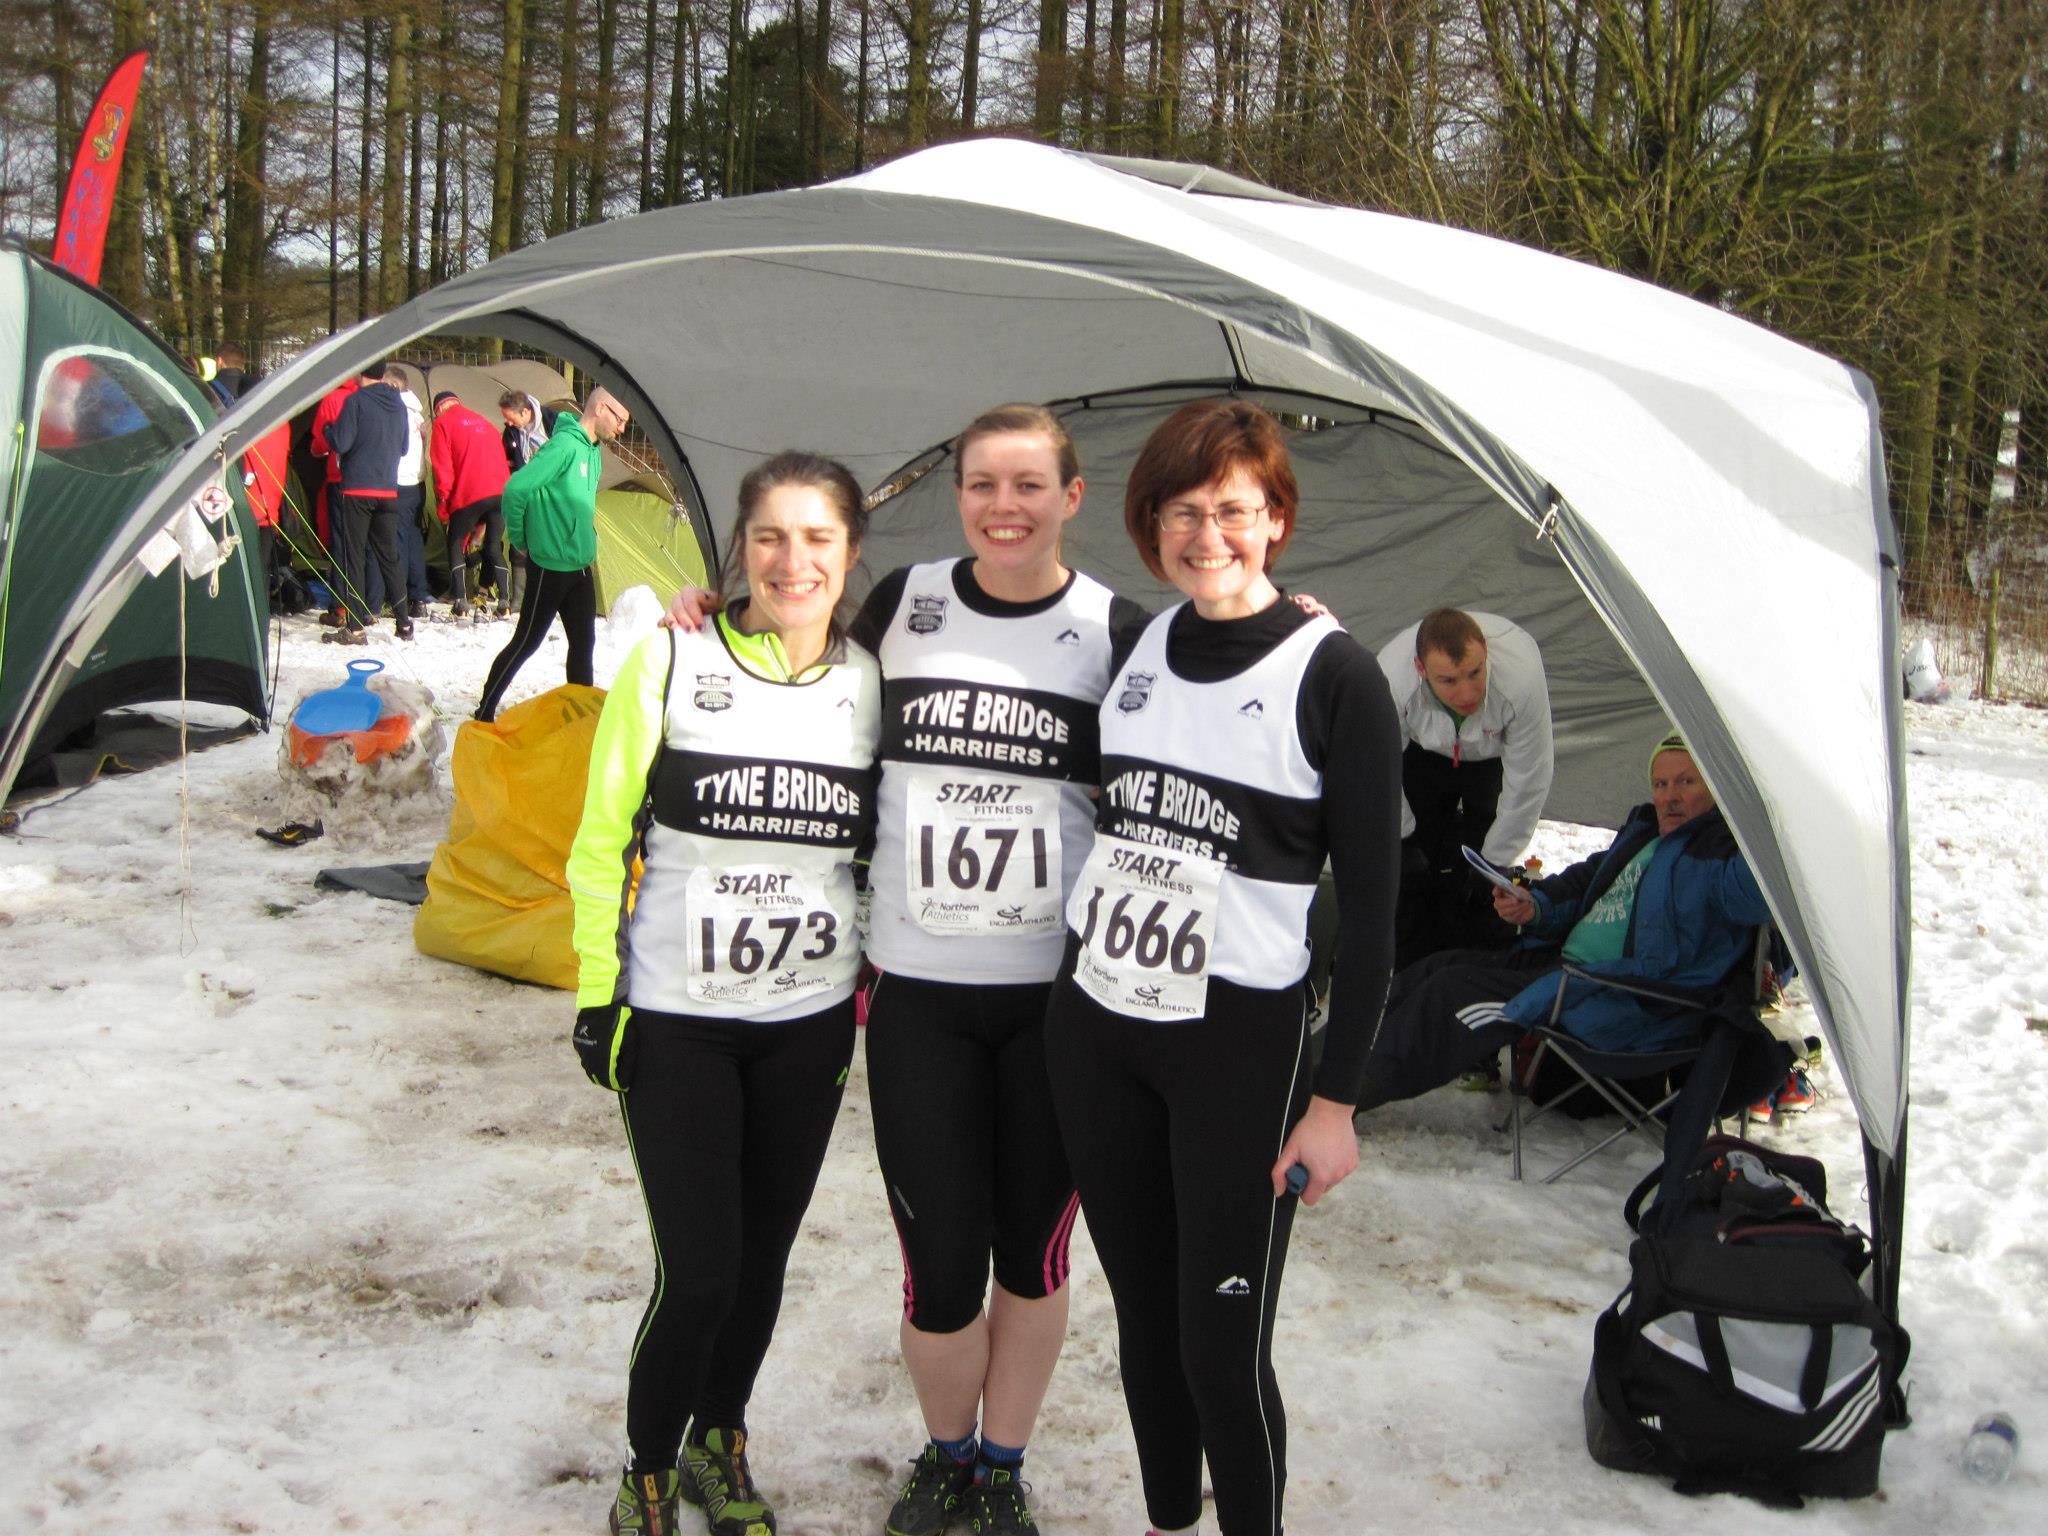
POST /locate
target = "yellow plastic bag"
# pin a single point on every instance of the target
(497, 891)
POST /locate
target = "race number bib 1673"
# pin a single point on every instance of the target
(982, 854)
(760, 936)
(1147, 920)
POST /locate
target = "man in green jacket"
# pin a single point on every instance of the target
(550, 507)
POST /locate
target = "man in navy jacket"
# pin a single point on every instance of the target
(369, 436)
(1670, 901)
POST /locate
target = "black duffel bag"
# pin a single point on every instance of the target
(1746, 1354)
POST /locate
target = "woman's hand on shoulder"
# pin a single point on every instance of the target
(1324, 1143)
(1313, 606)
(691, 608)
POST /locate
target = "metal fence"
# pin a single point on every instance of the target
(1984, 603)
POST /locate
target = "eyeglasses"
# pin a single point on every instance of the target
(1231, 517)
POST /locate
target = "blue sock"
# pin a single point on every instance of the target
(957, 1450)
(998, 1458)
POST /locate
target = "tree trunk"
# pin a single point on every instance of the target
(206, 317)
(392, 221)
(1049, 99)
(366, 132)
(122, 268)
(917, 74)
(1172, 64)
(970, 68)
(245, 313)
(439, 267)
(334, 188)
(651, 62)
(860, 97)
(63, 99)
(504, 151)
(1113, 95)
(735, 57)
(821, 85)
(801, 48)
(563, 186)
(598, 183)
(523, 156)
(416, 166)
(1088, 82)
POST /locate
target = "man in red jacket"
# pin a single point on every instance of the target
(469, 477)
(264, 468)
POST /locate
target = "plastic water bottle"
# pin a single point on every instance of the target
(1988, 1453)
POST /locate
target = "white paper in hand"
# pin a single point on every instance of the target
(1492, 871)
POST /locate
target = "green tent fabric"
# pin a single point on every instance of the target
(96, 409)
(641, 541)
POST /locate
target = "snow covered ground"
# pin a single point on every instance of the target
(303, 1231)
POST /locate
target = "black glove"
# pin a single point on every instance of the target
(605, 1044)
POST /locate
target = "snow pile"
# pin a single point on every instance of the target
(383, 762)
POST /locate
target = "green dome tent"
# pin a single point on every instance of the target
(94, 409)
(643, 537)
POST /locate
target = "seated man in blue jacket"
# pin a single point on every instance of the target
(1671, 901)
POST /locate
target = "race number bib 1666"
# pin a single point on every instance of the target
(1147, 920)
(982, 854)
(761, 935)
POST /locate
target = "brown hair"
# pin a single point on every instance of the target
(1020, 417)
(1198, 445)
(794, 466)
(512, 400)
(1450, 630)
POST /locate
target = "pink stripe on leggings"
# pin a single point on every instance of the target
(1056, 1250)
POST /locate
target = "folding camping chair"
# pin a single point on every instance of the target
(1735, 1061)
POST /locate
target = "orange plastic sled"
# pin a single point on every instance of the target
(380, 740)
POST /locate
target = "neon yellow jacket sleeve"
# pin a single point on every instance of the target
(600, 869)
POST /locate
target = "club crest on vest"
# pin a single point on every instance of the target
(1137, 692)
(714, 692)
(927, 614)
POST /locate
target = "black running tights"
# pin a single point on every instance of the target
(1172, 1130)
(728, 1124)
(573, 594)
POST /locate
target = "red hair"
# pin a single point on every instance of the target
(1198, 445)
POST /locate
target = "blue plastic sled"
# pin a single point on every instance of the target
(351, 707)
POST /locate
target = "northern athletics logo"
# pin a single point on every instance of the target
(1236, 1285)
(927, 614)
(1067, 637)
(1253, 709)
(1137, 692)
(714, 692)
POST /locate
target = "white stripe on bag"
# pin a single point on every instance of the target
(1854, 1415)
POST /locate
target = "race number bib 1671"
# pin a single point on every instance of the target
(760, 936)
(1147, 920)
(982, 854)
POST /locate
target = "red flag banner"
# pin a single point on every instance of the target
(89, 195)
